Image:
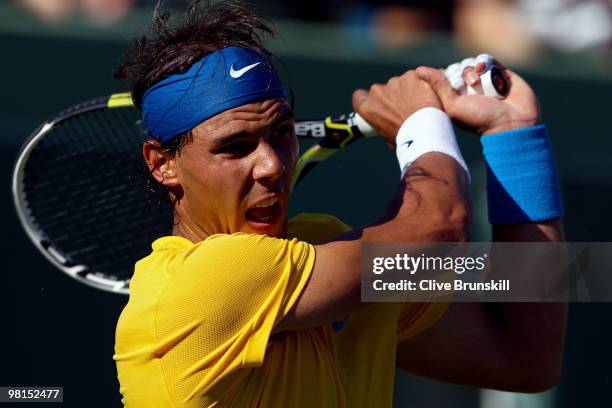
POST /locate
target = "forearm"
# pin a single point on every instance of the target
(432, 199)
(431, 204)
(509, 346)
(533, 333)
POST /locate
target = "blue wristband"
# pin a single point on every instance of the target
(522, 184)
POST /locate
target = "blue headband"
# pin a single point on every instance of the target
(221, 80)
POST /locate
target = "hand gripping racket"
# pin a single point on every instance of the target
(80, 194)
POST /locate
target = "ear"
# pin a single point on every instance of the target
(161, 165)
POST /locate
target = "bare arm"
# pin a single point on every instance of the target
(430, 204)
(511, 346)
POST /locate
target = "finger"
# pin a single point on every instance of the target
(471, 77)
(438, 82)
(467, 63)
(489, 61)
(468, 72)
(481, 67)
(453, 74)
(359, 96)
(485, 59)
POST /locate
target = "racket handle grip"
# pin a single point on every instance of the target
(364, 127)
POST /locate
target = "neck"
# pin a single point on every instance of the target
(186, 229)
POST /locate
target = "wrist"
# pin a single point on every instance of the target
(522, 182)
(427, 130)
(510, 124)
(415, 112)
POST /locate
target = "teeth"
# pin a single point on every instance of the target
(266, 203)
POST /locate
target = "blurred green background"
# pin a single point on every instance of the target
(59, 332)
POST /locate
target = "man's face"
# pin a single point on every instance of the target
(236, 173)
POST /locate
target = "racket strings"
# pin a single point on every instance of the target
(84, 189)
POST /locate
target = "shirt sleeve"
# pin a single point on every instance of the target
(223, 301)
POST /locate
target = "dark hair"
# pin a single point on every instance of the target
(204, 28)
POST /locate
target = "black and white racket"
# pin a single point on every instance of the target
(80, 194)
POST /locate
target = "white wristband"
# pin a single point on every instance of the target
(427, 130)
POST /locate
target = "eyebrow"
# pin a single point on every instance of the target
(228, 139)
(285, 115)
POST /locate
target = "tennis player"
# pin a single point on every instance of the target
(243, 307)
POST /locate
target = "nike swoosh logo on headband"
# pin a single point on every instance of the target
(242, 71)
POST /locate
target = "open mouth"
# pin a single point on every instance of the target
(263, 212)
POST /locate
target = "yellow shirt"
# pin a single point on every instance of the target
(196, 331)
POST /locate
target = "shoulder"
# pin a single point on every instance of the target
(240, 243)
(315, 228)
(240, 257)
(175, 253)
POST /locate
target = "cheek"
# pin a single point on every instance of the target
(195, 177)
(214, 182)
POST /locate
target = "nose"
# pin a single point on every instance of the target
(268, 166)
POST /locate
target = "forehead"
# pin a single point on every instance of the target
(248, 117)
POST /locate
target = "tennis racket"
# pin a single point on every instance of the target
(80, 194)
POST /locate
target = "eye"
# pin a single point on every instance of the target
(283, 131)
(239, 147)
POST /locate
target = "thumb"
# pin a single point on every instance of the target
(438, 82)
(359, 96)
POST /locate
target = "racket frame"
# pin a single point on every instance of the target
(80, 272)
